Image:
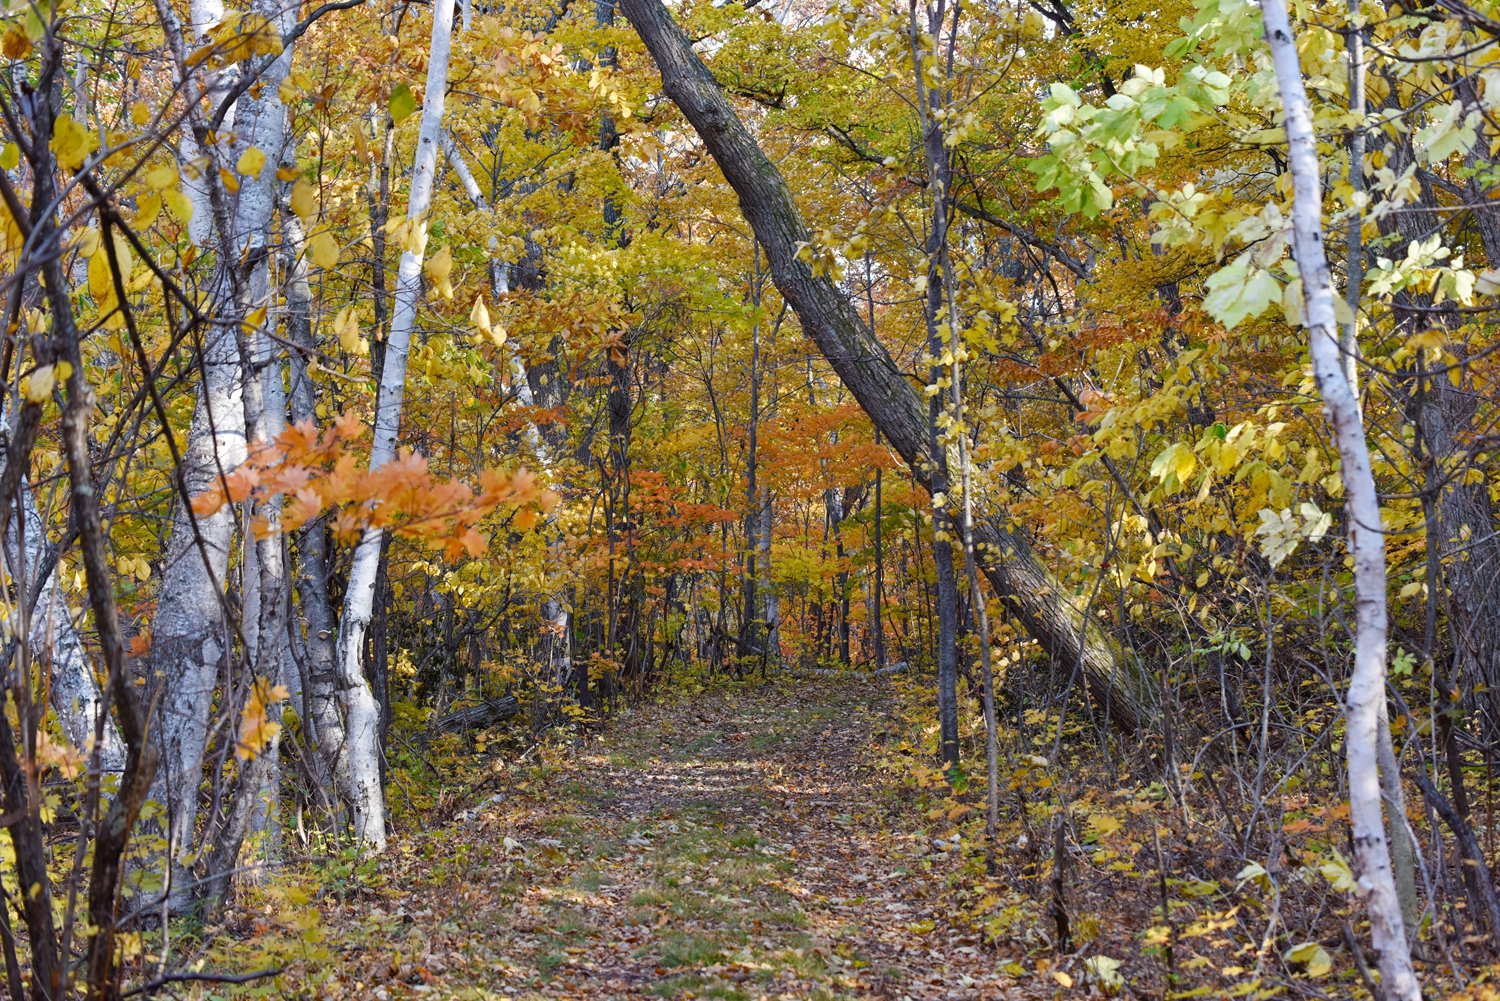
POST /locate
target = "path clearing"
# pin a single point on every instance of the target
(719, 848)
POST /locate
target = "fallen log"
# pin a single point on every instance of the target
(482, 716)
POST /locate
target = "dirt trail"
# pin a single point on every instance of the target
(723, 848)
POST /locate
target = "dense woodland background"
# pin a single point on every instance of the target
(399, 393)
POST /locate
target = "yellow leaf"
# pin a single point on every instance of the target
(147, 208)
(88, 241)
(139, 113)
(231, 183)
(72, 142)
(324, 250)
(304, 201)
(1062, 978)
(179, 205)
(346, 327)
(256, 728)
(39, 387)
(480, 315)
(1104, 825)
(15, 44)
(414, 240)
(1339, 874)
(439, 266)
(101, 279)
(251, 162)
(161, 177)
(1314, 955)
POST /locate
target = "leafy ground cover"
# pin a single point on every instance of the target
(735, 847)
(786, 841)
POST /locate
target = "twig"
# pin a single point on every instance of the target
(1361, 964)
(217, 978)
(1468, 847)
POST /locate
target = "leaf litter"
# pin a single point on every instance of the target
(730, 847)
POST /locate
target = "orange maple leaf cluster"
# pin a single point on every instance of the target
(318, 472)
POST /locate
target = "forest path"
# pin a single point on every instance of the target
(720, 847)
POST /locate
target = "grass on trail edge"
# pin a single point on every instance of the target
(787, 842)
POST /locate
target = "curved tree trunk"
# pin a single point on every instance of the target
(831, 321)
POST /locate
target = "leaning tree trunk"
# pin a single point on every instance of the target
(1366, 536)
(830, 319)
(362, 713)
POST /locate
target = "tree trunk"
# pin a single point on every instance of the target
(1366, 538)
(361, 711)
(262, 125)
(827, 316)
(189, 636)
(323, 725)
(141, 757)
(557, 646)
(939, 483)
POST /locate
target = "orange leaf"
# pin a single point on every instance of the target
(240, 483)
(209, 501)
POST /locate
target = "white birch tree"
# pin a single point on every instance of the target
(361, 712)
(1365, 700)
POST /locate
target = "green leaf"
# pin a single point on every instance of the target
(10, 156)
(402, 104)
(1240, 290)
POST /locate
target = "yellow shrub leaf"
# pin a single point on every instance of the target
(251, 162)
(324, 250)
(304, 200)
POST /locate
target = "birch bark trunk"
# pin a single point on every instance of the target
(1366, 696)
(262, 126)
(362, 713)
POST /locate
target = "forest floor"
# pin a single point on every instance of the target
(725, 846)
